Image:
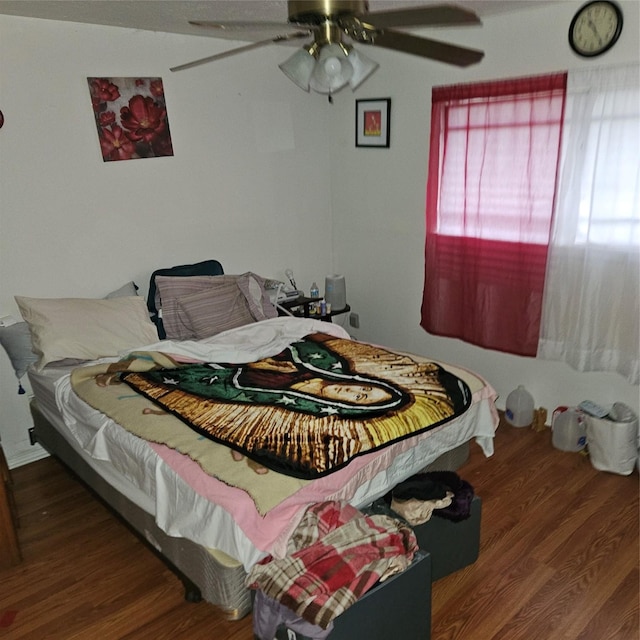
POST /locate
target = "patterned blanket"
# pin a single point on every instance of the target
(309, 410)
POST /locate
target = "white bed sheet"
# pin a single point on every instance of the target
(133, 467)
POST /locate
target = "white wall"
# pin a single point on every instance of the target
(296, 194)
(378, 209)
(248, 185)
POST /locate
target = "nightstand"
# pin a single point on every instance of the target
(9, 549)
(301, 308)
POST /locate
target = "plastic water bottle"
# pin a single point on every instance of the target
(519, 410)
(314, 292)
(569, 430)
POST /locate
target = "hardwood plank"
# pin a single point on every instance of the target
(617, 618)
(548, 513)
(559, 559)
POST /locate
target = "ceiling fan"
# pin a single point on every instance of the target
(329, 62)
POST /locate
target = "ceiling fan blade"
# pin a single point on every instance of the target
(232, 52)
(427, 48)
(240, 25)
(436, 15)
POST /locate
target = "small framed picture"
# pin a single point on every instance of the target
(373, 122)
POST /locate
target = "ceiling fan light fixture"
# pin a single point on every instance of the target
(299, 67)
(363, 67)
(332, 70)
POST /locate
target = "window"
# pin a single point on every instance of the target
(490, 194)
(601, 148)
(533, 217)
(591, 308)
(499, 167)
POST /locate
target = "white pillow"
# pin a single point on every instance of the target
(85, 328)
(16, 338)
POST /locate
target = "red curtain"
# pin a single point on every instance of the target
(492, 176)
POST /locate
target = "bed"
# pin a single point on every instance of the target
(214, 510)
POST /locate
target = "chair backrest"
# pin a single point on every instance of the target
(204, 268)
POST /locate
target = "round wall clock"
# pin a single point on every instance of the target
(595, 28)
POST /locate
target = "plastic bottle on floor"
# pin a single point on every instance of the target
(569, 429)
(519, 409)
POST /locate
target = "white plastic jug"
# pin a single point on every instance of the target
(569, 429)
(519, 409)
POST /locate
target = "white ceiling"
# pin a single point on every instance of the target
(172, 16)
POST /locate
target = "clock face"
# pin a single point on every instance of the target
(595, 28)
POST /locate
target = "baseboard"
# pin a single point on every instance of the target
(20, 458)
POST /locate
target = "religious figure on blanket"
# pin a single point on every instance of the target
(307, 377)
(321, 396)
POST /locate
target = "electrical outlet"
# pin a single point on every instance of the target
(354, 320)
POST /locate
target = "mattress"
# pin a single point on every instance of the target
(161, 482)
(133, 469)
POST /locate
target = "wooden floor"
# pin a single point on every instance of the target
(559, 560)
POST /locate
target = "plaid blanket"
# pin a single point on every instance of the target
(335, 555)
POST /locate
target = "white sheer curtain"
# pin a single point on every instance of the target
(590, 309)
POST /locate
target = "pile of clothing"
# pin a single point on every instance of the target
(440, 493)
(336, 554)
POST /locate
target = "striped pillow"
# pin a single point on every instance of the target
(169, 290)
(206, 311)
(260, 305)
(220, 307)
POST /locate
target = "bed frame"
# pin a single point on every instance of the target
(206, 574)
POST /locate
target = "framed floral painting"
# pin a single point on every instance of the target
(131, 117)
